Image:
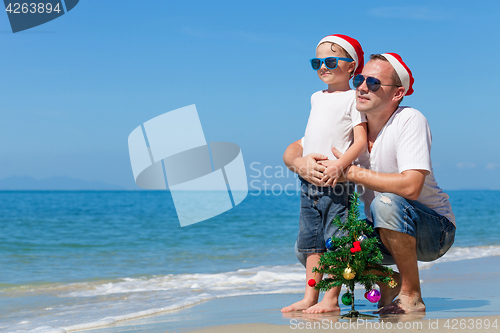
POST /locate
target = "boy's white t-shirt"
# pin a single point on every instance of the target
(404, 143)
(331, 121)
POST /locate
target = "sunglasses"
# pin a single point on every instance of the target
(330, 62)
(372, 83)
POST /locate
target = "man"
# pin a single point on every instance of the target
(410, 213)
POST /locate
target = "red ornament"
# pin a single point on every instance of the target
(366, 294)
(311, 282)
(356, 247)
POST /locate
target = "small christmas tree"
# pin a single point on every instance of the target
(353, 258)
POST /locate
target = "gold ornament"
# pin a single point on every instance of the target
(349, 273)
(392, 283)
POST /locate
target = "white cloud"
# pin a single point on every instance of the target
(492, 166)
(466, 165)
(410, 12)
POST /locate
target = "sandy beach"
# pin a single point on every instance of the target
(132, 275)
(460, 296)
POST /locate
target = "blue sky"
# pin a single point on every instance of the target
(74, 88)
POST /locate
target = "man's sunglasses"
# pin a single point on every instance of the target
(372, 83)
(330, 62)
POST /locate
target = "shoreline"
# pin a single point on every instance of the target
(458, 290)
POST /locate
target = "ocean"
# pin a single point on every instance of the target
(74, 260)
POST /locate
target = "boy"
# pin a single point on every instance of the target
(333, 122)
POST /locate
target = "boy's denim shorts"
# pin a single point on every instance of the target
(434, 233)
(318, 207)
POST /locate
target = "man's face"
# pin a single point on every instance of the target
(341, 73)
(370, 102)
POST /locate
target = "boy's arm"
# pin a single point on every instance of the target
(335, 167)
(357, 147)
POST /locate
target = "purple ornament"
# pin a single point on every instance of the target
(373, 296)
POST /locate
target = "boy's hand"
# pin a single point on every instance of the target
(332, 173)
(309, 169)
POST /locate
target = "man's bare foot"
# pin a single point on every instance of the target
(387, 293)
(299, 306)
(323, 307)
(404, 304)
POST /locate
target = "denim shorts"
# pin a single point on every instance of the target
(318, 207)
(434, 233)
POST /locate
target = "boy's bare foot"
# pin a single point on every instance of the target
(324, 306)
(404, 304)
(387, 293)
(299, 306)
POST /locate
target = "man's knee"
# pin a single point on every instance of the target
(384, 203)
(387, 210)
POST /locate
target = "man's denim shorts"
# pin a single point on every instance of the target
(318, 207)
(434, 233)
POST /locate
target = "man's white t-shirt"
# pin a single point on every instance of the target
(331, 122)
(404, 143)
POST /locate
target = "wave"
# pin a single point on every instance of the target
(96, 304)
(464, 253)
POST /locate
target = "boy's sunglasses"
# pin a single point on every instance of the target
(330, 62)
(372, 83)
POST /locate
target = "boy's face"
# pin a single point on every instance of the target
(344, 69)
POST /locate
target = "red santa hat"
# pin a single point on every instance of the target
(402, 70)
(351, 46)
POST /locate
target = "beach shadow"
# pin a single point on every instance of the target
(435, 304)
(401, 318)
(330, 316)
(333, 317)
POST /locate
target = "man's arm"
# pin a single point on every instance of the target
(306, 167)
(407, 184)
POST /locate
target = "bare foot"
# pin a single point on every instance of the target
(387, 293)
(404, 304)
(299, 306)
(324, 306)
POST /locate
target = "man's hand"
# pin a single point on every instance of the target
(309, 169)
(334, 171)
(306, 167)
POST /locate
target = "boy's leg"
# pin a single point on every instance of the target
(311, 295)
(319, 205)
(334, 203)
(309, 243)
(329, 303)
